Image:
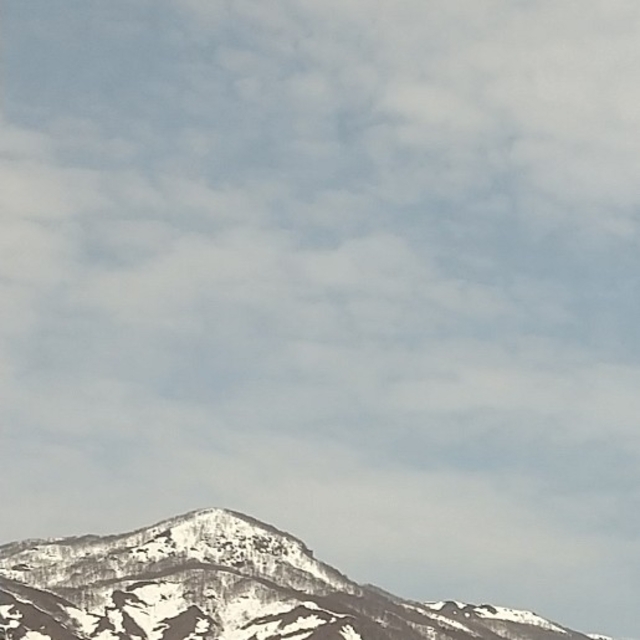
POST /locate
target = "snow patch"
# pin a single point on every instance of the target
(10, 612)
(349, 633)
(299, 636)
(441, 604)
(309, 604)
(35, 635)
(87, 622)
(489, 612)
(452, 624)
(264, 626)
(157, 602)
(240, 611)
(303, 625)
(202, 627)
(11, 615)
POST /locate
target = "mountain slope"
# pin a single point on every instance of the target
(215, 574)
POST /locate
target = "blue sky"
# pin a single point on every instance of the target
(365, 270)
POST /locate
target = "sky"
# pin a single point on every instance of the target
(365, 270)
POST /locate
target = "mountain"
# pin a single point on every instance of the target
(217, 574)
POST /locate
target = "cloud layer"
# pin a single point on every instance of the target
(365, 270)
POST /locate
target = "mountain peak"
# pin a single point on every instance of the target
(217, 574)
(205, 537)
(217, 520)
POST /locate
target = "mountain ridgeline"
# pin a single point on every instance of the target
(216, 574)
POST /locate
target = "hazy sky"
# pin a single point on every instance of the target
(366, 270)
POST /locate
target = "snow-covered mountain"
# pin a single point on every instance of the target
(217, 574)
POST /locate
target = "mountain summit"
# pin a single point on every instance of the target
(217, 574)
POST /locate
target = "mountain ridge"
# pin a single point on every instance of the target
(214, 574)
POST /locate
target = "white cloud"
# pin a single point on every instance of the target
(536, 94)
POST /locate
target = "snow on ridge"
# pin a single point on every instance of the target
(309, 604)
(212, 518)
(441, 604)
(519, 616)
(490, 612)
